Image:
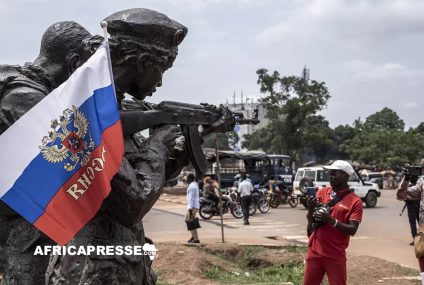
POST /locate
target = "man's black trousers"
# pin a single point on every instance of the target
(245, 202)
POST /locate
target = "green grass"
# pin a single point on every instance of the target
(302, 248)
(246, 255)
(268, 275)
(273, 274)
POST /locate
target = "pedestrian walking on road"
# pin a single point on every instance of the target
(333, 216)
(193, 206)
(245, 189)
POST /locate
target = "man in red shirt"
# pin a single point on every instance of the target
(329, 230)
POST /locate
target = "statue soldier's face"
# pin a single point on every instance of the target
(150, 77)
(139, 78)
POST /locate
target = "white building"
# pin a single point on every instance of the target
(248, 109)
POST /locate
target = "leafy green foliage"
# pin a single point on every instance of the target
(259, 140)
(382, 141)
(386, 119)
(319, 139)
(294, 128)
(226, 141)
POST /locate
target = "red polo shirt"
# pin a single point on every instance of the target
(327, 240)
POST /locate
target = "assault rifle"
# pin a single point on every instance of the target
(195, 121)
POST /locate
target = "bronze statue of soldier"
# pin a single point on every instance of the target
(143, 44)
(22, 87)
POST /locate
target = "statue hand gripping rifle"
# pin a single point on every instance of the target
(191, 118)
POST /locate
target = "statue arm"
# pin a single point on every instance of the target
(17, 102)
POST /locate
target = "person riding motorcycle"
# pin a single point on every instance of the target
(209, 191)
(281, 193)
(210, 207)
(274, 186)
(218, 192)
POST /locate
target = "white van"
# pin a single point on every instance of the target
(318, 177)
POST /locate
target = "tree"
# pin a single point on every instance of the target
(342, 134)
(419, 129)
(382, 141)
(291, 103)
(385, 119)
(319, 139)
(260, 139)
(226, 141)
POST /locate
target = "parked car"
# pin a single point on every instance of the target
(378, 181)
(318, 177)
(373, 175)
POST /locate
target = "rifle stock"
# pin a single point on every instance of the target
(189, 117)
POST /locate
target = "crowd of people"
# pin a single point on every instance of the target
(334, 214)
(211, 190)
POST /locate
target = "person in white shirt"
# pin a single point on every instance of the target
(245, 189)
(193, 205)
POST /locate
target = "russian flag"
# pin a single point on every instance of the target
(58, 159)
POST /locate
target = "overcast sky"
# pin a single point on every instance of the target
(369, 53)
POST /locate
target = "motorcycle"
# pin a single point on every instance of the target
(234, 195)
(259, 198)
(208, 208)
(282, 194)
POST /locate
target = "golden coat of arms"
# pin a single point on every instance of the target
(69, 141)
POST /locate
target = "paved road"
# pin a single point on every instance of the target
(383, 233)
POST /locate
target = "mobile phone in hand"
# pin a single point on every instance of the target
(311, 192)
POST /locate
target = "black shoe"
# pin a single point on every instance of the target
(411, 243)
(194, 241)
(246, 223)
(191, 239)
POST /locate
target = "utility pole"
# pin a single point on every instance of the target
(218, 177)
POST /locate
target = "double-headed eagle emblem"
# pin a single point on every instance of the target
(69, 141)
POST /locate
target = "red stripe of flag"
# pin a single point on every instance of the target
(64, 216)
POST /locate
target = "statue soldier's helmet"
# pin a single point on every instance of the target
(147, 26)
(142, 37)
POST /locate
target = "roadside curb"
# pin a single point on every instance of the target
(418, 278)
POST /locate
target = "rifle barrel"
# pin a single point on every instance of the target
(247, 121)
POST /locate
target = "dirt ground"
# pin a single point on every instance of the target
(186, 264)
